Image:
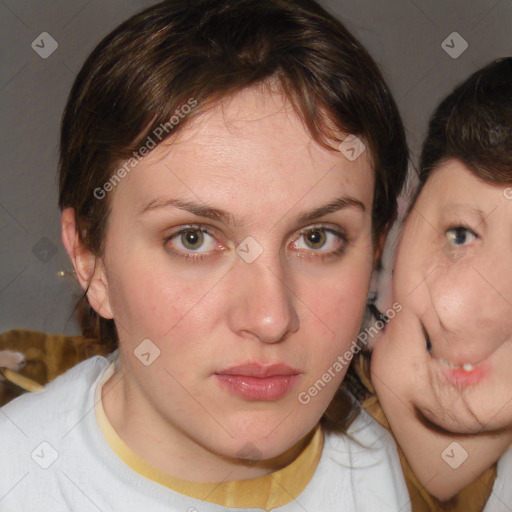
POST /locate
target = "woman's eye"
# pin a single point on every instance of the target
(320, 239)
(193, 240)
(460, 236)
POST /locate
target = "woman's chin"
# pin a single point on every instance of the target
(263, 453)
(464, 416)
(446, 423)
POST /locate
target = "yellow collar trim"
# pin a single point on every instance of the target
(267, 492)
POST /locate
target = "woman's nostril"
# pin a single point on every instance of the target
(427, 340)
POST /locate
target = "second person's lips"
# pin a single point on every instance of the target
(460, 373)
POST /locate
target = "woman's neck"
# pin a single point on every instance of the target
(172, 451)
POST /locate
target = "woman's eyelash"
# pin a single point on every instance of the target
(460, 235)
(198, 256)
(185, 229)
(340, 250)
(460, 226)
(188, 255)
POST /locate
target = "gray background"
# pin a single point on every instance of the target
(404, 36)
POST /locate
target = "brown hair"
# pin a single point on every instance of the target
(156, 62)
(474, 125)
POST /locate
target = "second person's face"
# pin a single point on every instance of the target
(449, 352)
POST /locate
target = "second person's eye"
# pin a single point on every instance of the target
(460, 235)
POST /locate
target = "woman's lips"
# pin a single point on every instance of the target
(257, 382)
(460, 375)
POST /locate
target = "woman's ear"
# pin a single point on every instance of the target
(89, 269)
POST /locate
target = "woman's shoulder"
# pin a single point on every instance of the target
(365, 436)
(501, 495)
(505, 464)
(366, 453)
(59, 402)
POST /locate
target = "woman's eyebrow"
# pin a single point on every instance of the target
(466, 208)
(203, 210)
(331, 207)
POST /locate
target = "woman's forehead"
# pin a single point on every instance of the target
(262, 150)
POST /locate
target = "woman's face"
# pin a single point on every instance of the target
(449, 352)
(243, 253)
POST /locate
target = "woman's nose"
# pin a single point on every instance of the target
(262, 304)
(472, 305)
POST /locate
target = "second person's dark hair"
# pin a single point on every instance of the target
(474, 125)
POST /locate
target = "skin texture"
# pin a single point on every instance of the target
(452, 275)
(297, 305)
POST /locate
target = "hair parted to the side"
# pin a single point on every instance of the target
(474, 125)
(207, 50)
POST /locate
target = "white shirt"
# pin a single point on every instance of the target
(54, 458)
(500, 499)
